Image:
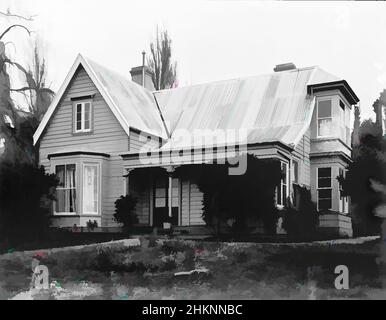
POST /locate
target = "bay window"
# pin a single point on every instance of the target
(78, 191)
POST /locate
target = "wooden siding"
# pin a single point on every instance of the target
(302, 155)
(107, 136)
(137, 142)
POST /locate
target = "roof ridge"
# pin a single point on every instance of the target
(239, 78)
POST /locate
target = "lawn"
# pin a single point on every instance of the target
(156, 268)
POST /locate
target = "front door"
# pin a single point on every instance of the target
(163, 198)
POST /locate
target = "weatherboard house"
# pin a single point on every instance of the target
(102, 127)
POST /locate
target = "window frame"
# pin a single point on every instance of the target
(323, 188)
(99, 187)
(71, 213)
(280, 202)
(323, 118)
(295, 165)
(383, 119)
(82, 120)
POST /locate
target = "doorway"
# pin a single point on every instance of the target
(165, 197)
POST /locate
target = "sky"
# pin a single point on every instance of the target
(211, 40)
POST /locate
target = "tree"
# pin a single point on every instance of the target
(163, 70)
(355, 132)
(364, 179)
(18, 123)
(25, 189)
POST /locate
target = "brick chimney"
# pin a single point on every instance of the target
(142, 75)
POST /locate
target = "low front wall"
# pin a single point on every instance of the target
(335, 224)
(72, 221)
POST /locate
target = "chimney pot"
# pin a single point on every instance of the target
(284, 67)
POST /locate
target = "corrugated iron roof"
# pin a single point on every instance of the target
(272, 107)
(132, 105)
(136, 103)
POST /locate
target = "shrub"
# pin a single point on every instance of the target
(125, 211)
(301, 218)
(365, 180)
(25, 194)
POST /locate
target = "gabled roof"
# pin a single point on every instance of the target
(273, 107)
(132, 105)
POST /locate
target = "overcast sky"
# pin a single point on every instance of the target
(214, 40)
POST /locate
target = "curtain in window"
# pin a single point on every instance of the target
(90, 189)
(66, 190)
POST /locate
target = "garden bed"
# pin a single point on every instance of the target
(160, 268)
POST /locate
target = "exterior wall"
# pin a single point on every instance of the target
(336, 224)
(139, 142)
(107, 136)
(302, 155)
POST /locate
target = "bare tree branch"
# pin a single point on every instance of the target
(14, 26)
(47, 90)
(9, 14)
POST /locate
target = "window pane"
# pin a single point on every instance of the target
(90, 189)
(324, 109)
(78, 116)
(60, 200)
(295, 171)
(279, 199)
(324, 172)
(324, 127)
(324, 193)
(66, 194)
(284, 173)
(60, 172)
(71, 200)
(324, 182)
(87, 116)
(325, 204)
(70, 176)
(284, 194)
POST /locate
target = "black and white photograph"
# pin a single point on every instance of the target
(192, 155)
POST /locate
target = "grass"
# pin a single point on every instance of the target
(236, 271)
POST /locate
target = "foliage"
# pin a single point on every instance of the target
(164, 71)
(301, 218)
(91, 225)
(244, 198)
(363, 178)
(125, 211)
(25, 194)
